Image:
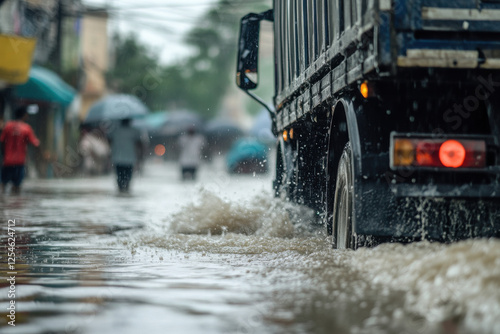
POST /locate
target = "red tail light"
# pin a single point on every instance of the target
(441, 153)
(452, 154)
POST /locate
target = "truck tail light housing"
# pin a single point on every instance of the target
(438, 153)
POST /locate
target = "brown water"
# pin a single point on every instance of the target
(221, 255)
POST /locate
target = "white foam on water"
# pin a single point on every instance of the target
(457, 282)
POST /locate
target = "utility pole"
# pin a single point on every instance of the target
(57, 53)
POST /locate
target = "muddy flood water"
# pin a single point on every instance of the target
(221, 255)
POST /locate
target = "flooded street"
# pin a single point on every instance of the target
(221, 255)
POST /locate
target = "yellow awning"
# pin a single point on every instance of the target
(15, 58)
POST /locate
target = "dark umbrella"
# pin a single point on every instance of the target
(115, 107)
(221, 133)
(178, 122)
(221, 129)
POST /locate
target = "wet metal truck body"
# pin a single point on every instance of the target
(388, 114)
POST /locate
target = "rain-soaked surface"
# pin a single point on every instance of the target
(221, 255)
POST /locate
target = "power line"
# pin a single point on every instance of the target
(184, 5)
(224, 18)
(175, 18)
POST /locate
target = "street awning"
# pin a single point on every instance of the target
(45, 85)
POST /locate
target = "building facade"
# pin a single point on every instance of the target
(49, 44)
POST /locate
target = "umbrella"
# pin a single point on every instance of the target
(178, 122)
(221, 129)
(152, 121)
(115, 107)
(220, 134)
(261, 128)
(246, 156)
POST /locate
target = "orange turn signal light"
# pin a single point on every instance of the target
(404, 152)
(366, 89)
(287, 134)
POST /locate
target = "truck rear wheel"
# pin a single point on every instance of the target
(343, 236)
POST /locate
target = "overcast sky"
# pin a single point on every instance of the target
(160, 24)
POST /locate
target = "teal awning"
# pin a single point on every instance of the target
(45, 85)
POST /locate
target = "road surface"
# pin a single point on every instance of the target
(221, 255)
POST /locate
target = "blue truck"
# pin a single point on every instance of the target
(388, 114)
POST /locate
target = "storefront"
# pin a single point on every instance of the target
(53, 96)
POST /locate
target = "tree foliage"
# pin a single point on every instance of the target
(198, 82)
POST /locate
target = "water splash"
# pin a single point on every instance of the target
(455, 283)
(262, 215)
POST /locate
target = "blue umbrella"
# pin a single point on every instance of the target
(151, 122)
(115, 107)
(261, 128)
(247, 155)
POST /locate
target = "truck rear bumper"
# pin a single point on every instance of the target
(426, 212)
(485, 191)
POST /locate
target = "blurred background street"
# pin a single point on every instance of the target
(217, 254)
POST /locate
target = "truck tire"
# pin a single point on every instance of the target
(280, 173)
(343, 236)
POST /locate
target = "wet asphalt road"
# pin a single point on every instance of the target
(221, 255)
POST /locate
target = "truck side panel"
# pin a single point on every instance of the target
(424, 57)
(414, 33)
(326, 31)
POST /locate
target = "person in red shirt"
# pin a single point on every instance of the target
(14, 141)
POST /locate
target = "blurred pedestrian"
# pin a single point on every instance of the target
(144, 147)
(190, 145)
(95, 151)
(2, 125)
(125, 149)
(14, 141)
